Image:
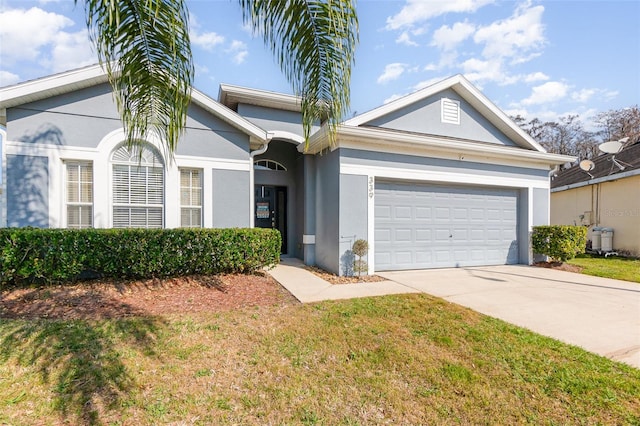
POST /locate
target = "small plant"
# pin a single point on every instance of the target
(360, 248)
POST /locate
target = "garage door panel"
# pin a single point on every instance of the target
(440, 226)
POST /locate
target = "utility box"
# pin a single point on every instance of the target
(596, 233)
(607, 239)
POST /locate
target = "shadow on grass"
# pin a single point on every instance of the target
(80, 359)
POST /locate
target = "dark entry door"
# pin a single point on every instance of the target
(271, 210)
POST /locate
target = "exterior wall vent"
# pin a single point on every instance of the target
(450, 111)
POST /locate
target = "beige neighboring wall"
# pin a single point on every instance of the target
(614, 204)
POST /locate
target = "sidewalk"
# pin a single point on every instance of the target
(308, 287)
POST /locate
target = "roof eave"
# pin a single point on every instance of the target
(58, 84)
(231, 96)
(320, 141)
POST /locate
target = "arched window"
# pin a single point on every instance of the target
(138, 187)
(268, 165)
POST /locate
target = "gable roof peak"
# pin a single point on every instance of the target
(467, 91)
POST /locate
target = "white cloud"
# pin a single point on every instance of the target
(519, 36)
(23, 33)
(71, 50)
(547, 93)
(8, 78)
(534, 77)
(405, 39)
(207, 41)
(447, 38)
(416, 11)
(426, 83)
(239, 51)
(392, 72)
(583, 95)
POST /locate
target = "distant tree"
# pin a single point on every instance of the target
(566, 136)
(621, 123)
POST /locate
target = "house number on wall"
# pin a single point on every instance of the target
(370, 186)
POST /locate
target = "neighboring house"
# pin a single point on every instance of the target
(439, 178)
(607, 196)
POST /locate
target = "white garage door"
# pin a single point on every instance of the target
(420, 226)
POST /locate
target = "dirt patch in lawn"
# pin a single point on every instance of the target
(335, 279)
(116, 299)
(559, 266)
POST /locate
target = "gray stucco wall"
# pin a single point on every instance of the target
(369, 158)
(273, 119)
(524, 249)
(80, 118)
(353, 218)
(84, 117)
(541, 207)
(327, 211)
(425, 117)
(230, 199)
(27, 191)
(310, 172)
(208, 136)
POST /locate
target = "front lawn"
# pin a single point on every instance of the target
(409, 359)
(609, 267)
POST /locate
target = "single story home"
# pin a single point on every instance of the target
(606, 196)
(438, 178)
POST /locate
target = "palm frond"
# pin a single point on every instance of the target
(314, 43)
(144, 46)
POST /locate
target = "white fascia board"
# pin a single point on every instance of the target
(53, 85)
(603, 179)
(229, 95)
(228, 115)
(368, 138)
(470, 94)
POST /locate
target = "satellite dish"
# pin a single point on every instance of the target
(587, 165)
(611, 147)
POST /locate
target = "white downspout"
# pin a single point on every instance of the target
(252, 190)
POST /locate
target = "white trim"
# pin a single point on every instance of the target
(371, 223)
(231, 95)
(308, 239)
(284, 135)
(387, 140)
(439, 176)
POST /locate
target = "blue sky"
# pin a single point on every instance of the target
(539, 59)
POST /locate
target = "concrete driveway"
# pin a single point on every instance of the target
(598, 314)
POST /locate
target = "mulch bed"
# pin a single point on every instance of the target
(559, 266)
(335, 279)
(116, 299)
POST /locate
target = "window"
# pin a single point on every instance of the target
(450, 111)
(79, 200)
(268, 165)
(190, 198)
(138, 188)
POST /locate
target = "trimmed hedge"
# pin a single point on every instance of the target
(58, 255)
(559, 242)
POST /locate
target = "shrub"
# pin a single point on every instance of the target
(559, 242)
(57, 255)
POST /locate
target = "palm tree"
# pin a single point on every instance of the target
(144, 46)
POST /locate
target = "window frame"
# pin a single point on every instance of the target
(78, 164)
(191, 207)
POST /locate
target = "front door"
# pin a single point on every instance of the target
(271, 210)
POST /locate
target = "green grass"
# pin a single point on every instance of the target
(609, 267)
(409, 359)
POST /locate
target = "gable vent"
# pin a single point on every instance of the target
(450, 111)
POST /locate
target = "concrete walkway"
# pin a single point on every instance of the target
(598, 314)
